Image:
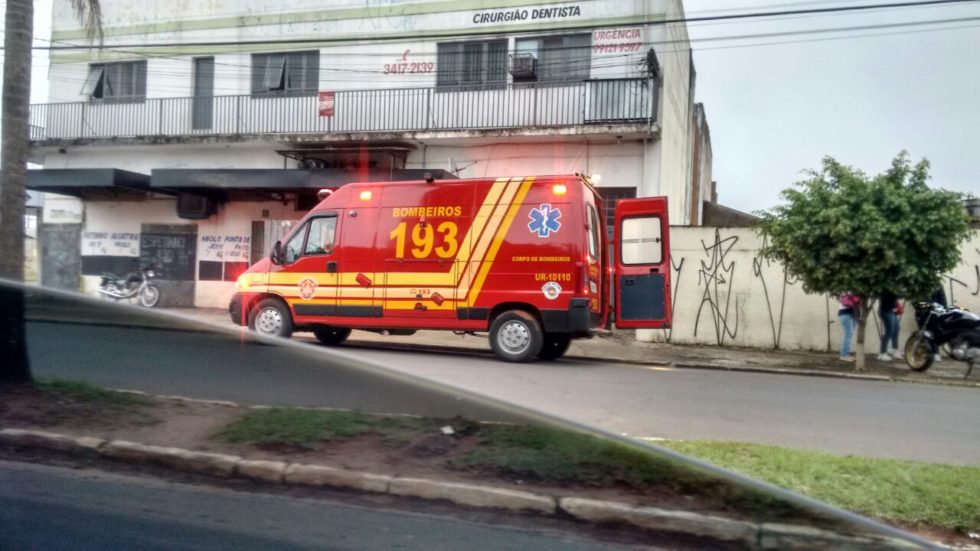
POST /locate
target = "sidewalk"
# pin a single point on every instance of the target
(623, 348)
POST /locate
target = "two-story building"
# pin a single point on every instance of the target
(198, 132)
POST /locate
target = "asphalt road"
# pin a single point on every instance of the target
(43, 507)
(878, 419)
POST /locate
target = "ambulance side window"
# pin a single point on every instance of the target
(593, 229)
(322, 233)
(294, 246)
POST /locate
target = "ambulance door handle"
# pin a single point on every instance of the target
(332, 267)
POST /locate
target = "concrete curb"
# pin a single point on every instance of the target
(749, 534)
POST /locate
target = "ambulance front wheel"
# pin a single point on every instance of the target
(331, 335)
(270, 317)
(516, 336)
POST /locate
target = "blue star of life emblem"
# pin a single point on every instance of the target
(544, 220)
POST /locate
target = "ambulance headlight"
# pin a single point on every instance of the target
(243, 282)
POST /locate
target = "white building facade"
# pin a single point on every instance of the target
(198, 131)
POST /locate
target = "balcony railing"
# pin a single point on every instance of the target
(514, 106)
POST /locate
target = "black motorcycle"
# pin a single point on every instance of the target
(132, 285)
(956, 331)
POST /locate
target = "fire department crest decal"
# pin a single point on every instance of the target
(551, 290)
(307, 288)
(544, 220)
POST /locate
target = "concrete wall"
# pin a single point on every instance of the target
(619, 164)
(725, 294)
(702, 157)
(675, 117)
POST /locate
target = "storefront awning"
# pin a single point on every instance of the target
(90, 183)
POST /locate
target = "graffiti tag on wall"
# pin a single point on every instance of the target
(716, 275)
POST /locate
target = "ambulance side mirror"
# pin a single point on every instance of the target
(276, 255)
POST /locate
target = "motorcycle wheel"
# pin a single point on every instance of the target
(918, 353)
(149, 296)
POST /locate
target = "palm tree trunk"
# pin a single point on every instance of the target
(15, 135)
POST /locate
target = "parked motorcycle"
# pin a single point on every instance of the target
(956, 331)
(134, 284)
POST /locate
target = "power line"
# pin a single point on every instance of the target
(685, 20)
(826, 39)
(826, 30)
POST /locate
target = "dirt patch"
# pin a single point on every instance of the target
(29, 406)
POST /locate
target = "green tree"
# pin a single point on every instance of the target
(15, 136)
(841, 231)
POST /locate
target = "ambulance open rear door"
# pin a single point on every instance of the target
(642, 263)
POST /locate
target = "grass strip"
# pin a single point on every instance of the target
(559, 456)
(85, 392)
(306, 428)
(562, 456)
(905, 491)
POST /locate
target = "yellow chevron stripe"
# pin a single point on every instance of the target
(501, 234)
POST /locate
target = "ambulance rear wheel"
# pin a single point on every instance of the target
(270, 317)
(516, 336)
(331, 335)
(554, 347)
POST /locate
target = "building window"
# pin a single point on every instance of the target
(609, 197)
(472, 63)
(119, 82)
(552, 58)
(292, 74)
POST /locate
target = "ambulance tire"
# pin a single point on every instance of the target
(271, 317)
(331, 336)
(554, 347)
(516, 336)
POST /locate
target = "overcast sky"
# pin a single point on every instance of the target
(774, 110)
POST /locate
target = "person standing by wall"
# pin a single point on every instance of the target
(887, 304)
(896, 351)
(847, 314)
(939, 297)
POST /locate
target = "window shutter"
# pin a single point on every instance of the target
(275, 69)
(496, 62)
(473, 63)
(140, 80)
(448, 66)
(95, 73)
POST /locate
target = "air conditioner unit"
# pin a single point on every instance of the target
(195, 207)
(523, 65)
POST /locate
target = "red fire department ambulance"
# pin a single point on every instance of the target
(525, 259)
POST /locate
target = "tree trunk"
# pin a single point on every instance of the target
(15, 136)
(864, 312)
